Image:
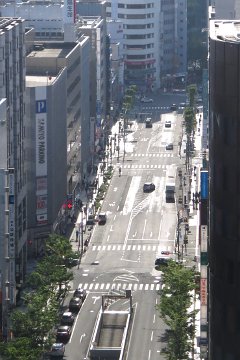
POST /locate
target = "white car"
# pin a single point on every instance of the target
(146, 100)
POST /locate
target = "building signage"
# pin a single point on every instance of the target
(204, 236)
(11, 238)
(203, 291)
(69, 11)
(204, 184)
(41, 145)
(41, 155)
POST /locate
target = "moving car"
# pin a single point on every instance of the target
(57, 350)
(102, 218)
(146, 100)
(168, 123)
(148, 122)
(148, 187)
(169, 146)
(64, 332)
(80, 293)
(67, 318)
(162, 261)
(75, 304)
(173, 107)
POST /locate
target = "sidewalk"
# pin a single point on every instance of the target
(188, 191)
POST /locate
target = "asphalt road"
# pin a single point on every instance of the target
(122, 253)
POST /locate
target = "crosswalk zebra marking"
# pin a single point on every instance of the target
(135, 247)
(121, 286)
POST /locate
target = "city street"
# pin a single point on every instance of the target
(122, 252)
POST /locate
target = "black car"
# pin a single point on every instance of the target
(173, 107)
(169, 146)
(161, 261)
(75, 304)
(80, 293)
(102, 218)
(67, 318)
(148, 187)
(64, 333)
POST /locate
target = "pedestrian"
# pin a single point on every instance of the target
(77, 234)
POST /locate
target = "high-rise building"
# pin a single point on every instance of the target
(141, 23)
(224, 199)
(12, 88)
(229, 9)
(173, 38)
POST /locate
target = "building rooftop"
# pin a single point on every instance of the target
(225, 30)
(34, 81)
(50, 52)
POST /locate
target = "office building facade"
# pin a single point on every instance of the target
(224, 200)
(140, 40)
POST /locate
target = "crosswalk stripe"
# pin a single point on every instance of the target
(120, 286)
(114, 247)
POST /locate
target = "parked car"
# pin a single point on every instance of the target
(67, 318)
(74, 260)
(75, 304)
(169, 146)
(102, 218)
(148, 187)
(146, 100)
(57, 350)
(168, 123)
(81, 293)
(64, 333)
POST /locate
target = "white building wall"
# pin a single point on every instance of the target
(140, 40)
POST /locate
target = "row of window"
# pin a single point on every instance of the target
(140, 57)
(138, 47)
(138, 26)
(132, 6)
(138, 37)
(136, 16)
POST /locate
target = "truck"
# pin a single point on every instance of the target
(170, 186)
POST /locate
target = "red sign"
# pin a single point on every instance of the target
(203, 291)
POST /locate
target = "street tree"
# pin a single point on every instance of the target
(20, 348)
(176, 299)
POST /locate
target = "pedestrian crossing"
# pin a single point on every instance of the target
(143, 166)
(152, 155)
(118, 287)
(112, 247)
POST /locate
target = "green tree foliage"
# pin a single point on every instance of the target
(192, 91)
(33, 327)
(189, 120)
(20, 349)
(175, 302)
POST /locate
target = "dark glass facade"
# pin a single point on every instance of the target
(224, 217)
